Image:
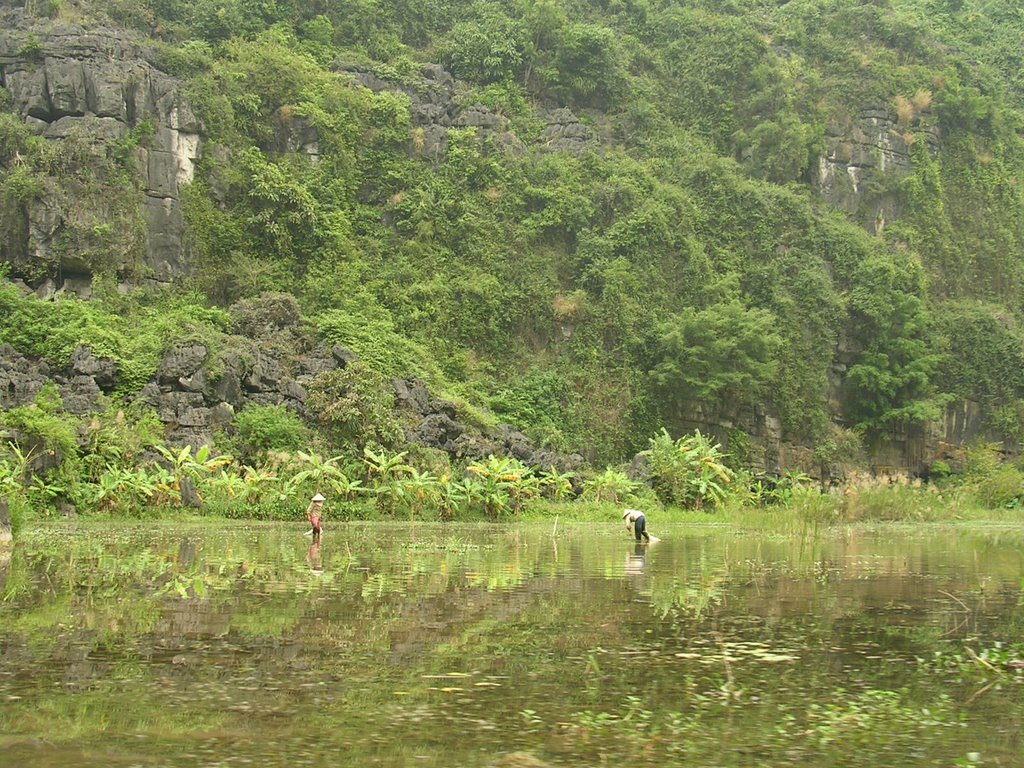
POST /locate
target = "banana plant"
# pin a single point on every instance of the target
(43, 492)
(323, 472)
(385, 471)
(22, 462)
(182, 463)
(260, 482)
(422, 490)
(711, 477)
(454, 496)
(557, 485)
(382, 466)
(348, 488)
(230, 484)
(690, 471)
(120, 489)
(612, 485)
(502, 484)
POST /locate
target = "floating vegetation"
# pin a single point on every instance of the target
(1005, 660)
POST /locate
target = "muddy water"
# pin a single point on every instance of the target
(414, 645)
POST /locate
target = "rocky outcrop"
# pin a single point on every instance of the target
(767, 452)
(864, 157)
(294, 134)
(196, 391)
(564, 132)
(97, 84)
(901, 453)
(434, 422)
(5, 524)
(80, 384)
(437, 104)
(20, 378)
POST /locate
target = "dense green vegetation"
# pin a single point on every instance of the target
(594, 296)
(116, 462)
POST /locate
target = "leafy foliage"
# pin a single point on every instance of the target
(269, 428)
(355, 404)
(725, 352)
(133, 331)
(690, 471)
(590, 281)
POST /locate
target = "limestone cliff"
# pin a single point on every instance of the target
(97, 85)
(865, 156)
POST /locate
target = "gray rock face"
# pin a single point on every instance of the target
(192, 402)
(181, 362)
(80, 386)
(295, 135)
(85, 363)
(265, 376)
(862, 155)
(97, 83)
(20, 378)
(412, 394)
(436, 106)
(564, 132)
(80, 394)
(342, 355)
(435, 424)
(5, 522)
(438, 430)
(228, 388)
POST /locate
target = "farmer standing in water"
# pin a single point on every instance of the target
(636, 521)
(314, 513)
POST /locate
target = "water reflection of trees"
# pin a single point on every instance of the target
(236, 627)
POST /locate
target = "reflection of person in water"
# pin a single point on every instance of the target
(316, 564)
(635, 563)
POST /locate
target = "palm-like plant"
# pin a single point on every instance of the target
(453, 495)
(323, 472)
(421, 490)
(385, 471)
(260, 482)
(791, 482)
(690, 471)
(229, 485)
(557, 485)
(502, 484)
(184, 464)
(21, 462)
(383, 466)
(347, 487)
(119, 488)
(612, 486)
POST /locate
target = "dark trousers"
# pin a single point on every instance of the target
(640, 528)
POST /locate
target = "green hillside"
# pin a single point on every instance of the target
(676, 245)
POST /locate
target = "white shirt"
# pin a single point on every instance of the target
(632, 515)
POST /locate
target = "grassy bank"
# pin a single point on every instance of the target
(809, 510)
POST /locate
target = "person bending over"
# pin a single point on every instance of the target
(636, 522)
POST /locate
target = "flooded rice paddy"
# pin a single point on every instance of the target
(416, 645)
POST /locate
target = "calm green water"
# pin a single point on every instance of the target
(416, 645)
